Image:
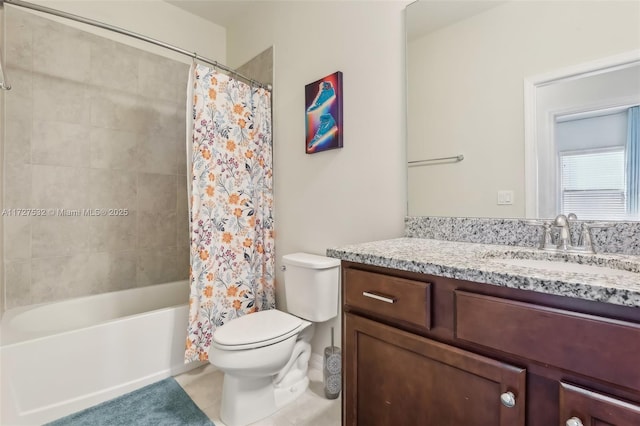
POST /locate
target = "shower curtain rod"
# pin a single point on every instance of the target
(119, 30)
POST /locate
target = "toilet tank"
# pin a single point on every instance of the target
(311, 286)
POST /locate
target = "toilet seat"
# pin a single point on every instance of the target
(256, 330)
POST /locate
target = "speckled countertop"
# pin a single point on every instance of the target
(484, 263)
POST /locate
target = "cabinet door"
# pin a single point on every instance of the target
(579, 406)
(393, 377)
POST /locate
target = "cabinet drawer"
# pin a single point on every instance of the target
(390, 297)
(593, 408)
(576, 342)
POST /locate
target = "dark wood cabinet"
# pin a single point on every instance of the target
(398, 378)
(580, 406)
(427, 350)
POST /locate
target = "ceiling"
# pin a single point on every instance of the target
(426, 16)
(423, 16)
(220, 12)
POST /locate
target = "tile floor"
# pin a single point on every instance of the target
(204, 386)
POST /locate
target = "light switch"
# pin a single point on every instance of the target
(505, 198)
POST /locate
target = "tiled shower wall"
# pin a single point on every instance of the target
(90, 124)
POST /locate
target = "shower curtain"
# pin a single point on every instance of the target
(231, 202)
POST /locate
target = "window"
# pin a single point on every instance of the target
(592, 184)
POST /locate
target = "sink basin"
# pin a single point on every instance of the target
(576, 263)
(567, 267)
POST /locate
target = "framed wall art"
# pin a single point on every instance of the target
(323, 102)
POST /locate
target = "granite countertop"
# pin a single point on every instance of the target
(482, 263)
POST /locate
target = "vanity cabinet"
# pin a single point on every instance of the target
(427, 350)
(398, 378)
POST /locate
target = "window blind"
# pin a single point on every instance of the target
(593, 184)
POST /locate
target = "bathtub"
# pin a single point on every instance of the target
(62, 357)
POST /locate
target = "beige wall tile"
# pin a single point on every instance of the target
(157, 142)
(157, 77)
(157, 193)
(166, 118)
(117, 110)
(260, 68)
(180, 123)
(17, 186)
(181, 157)
(17, 279)
(114, 65)
(183, 263)
(18, 40)
(113, 233)
(182, 79)
(66, 55)
(98, 264)
(17, 237)
(157, 229)
(59, 235)
(111, 189)
(57, 143)
(60, 187)
(122, 270)
(113, 149)
(113, 271)
(56, 99)
(182, 214)
(19, 100)
(156, 266)
(98, 125)
(58, 278)
(17, 141)
(157, 153)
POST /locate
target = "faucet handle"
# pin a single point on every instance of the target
(585, 242)
(545, 240)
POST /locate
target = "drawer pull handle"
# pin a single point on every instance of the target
(380, 297)
(574, 421)
(508, 399)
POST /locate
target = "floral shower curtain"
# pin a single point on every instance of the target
(231, 201)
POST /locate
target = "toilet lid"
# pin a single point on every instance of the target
(256, 327)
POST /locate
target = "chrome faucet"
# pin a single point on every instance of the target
(564, 241)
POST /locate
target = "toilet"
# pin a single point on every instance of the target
(265, 355)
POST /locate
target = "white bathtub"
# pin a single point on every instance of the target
(62, 357)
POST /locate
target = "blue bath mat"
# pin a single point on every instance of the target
(163, 403)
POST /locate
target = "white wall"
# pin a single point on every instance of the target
(467, 95)
(2, 126)
(348, 195)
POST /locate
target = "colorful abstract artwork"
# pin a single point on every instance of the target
(323, 101)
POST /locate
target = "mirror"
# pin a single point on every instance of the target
(468, 65)
(578, 140)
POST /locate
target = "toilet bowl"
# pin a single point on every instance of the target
(265, 355)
